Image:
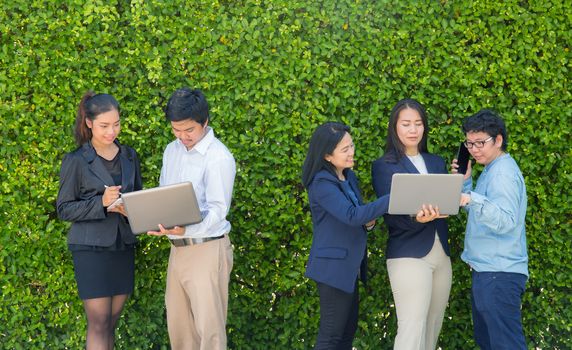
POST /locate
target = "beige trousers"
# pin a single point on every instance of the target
(197, 295)
(421, 288)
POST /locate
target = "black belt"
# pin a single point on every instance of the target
(181, 242)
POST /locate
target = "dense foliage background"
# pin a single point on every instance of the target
(273, 71)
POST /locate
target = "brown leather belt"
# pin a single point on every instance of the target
(181, 242)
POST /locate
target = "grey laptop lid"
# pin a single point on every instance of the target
(172, 205)
(410, 191)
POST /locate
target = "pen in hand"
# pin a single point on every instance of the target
(110, 195)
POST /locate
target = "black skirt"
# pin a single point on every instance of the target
(104, 273)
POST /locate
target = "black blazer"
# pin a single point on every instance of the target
(82, 182)
(338, 250)
(407, 237)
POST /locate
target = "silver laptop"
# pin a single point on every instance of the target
(172, 205)
(410, 191)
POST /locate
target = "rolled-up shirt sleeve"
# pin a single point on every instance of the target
(499, 209)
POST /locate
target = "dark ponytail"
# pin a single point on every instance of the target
(90, 106)
(82, 133)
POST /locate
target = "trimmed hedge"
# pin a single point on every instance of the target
(272, 71)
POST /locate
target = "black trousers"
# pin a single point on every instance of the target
(338, 318)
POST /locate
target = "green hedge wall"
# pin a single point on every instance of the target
(273, 71)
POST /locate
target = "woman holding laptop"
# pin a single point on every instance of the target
(100, 239)
(340, 222)
(418, 260)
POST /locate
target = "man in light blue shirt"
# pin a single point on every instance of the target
(495, 240)
(201, 255)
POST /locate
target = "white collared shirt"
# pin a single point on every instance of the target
(211, 168)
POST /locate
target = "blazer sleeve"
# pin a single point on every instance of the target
(440, 165)
(138, 184)
(381, 173)
(328, 195)
(70, 205)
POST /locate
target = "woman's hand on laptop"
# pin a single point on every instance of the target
(428, 213)
(120, 208)
(177, 231)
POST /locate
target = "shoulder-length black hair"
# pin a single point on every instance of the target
(394, 148)
(323, 142)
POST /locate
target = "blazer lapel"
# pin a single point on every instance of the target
(431, 166)
(407, 165)
(356, 191)
(347, 186)
(95, 165)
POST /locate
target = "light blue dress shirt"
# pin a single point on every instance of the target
(211, 168)
(495, 240)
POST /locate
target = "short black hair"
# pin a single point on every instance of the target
(489, 122)
(323, 142)
(186, 103)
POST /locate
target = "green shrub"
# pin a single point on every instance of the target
(272, 71)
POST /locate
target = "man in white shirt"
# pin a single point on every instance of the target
(201, 258)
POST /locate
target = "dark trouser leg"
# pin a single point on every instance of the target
(338, 318)
(496, 299)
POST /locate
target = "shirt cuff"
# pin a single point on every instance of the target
(476, 199)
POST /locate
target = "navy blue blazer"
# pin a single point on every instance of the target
(407, 237)
(83, 178)
(338, 252)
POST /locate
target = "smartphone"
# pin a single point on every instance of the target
(463, 156)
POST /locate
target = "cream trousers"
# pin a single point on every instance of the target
(421, 288)
(197, 295)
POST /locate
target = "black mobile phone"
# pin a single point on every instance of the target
(463, 156)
